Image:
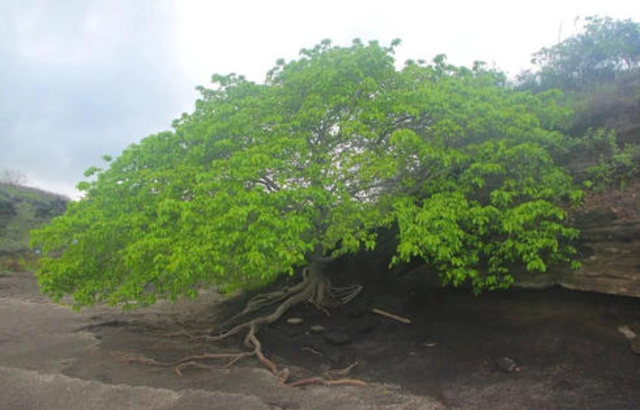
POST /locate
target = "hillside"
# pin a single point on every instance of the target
(22, 209)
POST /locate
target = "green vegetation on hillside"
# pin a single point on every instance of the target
(599, 54)
(599, 72)
(21, 210)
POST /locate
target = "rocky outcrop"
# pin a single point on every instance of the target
(609, 225)
(610, 264)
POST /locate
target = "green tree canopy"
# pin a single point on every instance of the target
(263, 179)
(604, 49)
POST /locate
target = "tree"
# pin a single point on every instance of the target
(286, 176)
(604, 49)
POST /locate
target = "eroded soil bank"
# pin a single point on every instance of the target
(566, 344)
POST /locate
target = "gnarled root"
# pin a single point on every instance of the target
(187, 361)
(264, 300)
(314, 288)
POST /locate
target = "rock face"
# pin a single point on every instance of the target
(609, 246)
(610, 264)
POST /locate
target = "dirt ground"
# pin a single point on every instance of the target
(567, 345)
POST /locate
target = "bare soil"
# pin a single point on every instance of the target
(567, 345)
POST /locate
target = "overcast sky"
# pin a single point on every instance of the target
(83, 78)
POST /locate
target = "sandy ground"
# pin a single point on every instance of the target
(52, 358)
(567, 345)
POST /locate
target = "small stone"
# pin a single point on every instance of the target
(507, 364)
(316, 329)
(627, 332)
(337, 338)
(295, 321)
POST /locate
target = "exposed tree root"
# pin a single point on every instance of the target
(314, 288)
(187, 361)
(264, 300)
(333, 374)
(179, 368)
